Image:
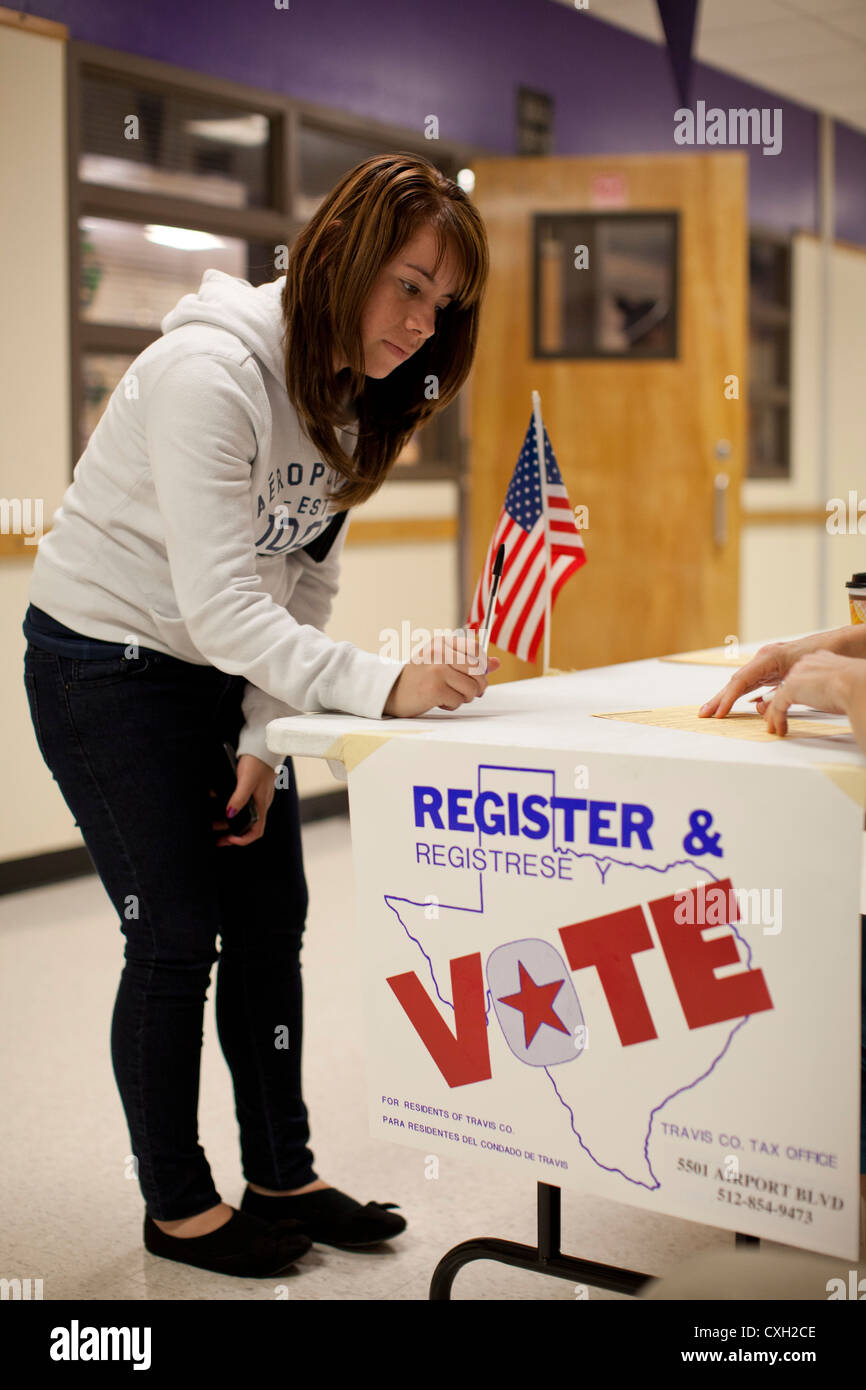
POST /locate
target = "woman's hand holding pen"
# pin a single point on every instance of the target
(257, 780)
(447, 672)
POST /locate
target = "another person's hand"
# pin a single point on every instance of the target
(771, 664)
(257, 780)
(835, 684)
(447, 672)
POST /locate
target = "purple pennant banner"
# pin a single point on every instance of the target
(679, 21)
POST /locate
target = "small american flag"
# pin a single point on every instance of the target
(518, 623)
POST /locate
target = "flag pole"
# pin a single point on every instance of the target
(539, 449)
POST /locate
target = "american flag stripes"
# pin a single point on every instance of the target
(518, 624)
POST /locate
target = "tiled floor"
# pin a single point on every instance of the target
(70, 1216)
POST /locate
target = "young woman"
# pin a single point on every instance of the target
(178, 602)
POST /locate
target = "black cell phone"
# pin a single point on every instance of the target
(226, 775)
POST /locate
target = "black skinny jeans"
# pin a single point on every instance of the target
(130, 743)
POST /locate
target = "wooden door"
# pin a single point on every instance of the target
(640, 443)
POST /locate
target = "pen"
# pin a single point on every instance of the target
(484, 634)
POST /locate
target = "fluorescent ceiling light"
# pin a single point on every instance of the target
(233, 130)
(184, 238)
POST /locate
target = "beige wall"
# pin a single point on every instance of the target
(34, 391)
(782, 565)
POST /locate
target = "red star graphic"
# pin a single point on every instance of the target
(535, 1003)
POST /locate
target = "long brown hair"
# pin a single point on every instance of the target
(363, 223)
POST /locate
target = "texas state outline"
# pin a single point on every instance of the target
(603, 864)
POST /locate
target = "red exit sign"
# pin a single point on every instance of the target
(608, 191)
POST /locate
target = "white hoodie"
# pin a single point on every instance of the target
(183, 524)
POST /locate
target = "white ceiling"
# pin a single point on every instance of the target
(811, 51)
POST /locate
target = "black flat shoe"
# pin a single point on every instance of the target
(244, 1245)
(329, 1217)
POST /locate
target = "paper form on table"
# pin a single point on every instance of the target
(708, 657)
(739, 724)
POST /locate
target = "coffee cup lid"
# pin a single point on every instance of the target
(857, 581)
